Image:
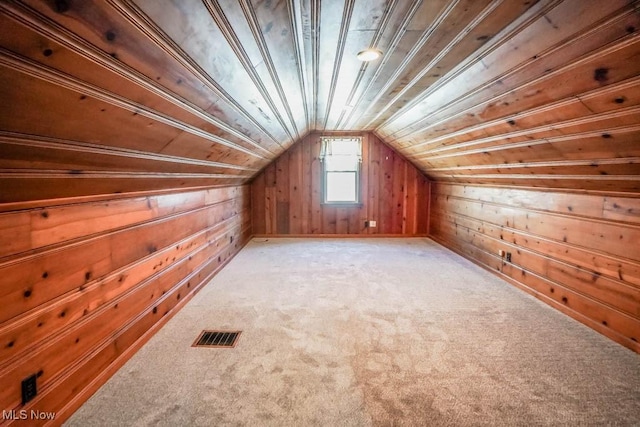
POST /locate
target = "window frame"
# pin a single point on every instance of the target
(325, 172)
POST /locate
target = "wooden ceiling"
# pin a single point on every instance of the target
(110, 96)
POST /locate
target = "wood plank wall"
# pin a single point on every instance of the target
(96, 102)
(84, 285)
(553, 101)
(577, 251)
(286, 196)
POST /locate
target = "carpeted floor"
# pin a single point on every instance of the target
(360, 332)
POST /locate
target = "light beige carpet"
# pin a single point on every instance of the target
(361, 332)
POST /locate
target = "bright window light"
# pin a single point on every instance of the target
(341, 158)
(341, 187)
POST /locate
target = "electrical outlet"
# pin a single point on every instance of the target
(29, 388)
(373, 224)
(508, 256)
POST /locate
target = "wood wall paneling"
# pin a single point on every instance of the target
(87, 112)
(432, 49)
(127, 138)
(551, 103)
(487, 92)
(84, 284)
(567, 249)
(393, 193)
(119, 38)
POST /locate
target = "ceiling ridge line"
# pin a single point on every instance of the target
(347, 12)
(316, 13)
(547, 107)
(613, 45)
(268, 60)
(527, 143)
(15, 138)
(219, 17)
(441, 54)
(51, 75)
(410, 56)
(298, 44)
(365, 65)
(138, 19)
(594, 117)
(586, 162)
(50, 29)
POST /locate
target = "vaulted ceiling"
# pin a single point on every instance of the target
(112, 96)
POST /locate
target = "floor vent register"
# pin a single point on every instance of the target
(217, 339)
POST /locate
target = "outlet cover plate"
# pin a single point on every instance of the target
(29, 388)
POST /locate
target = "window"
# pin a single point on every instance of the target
(341, 159)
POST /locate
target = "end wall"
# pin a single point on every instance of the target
(286, 196)
(84, 284)
(578, 252)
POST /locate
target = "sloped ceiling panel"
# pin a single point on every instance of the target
(115, 96)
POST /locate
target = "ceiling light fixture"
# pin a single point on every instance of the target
(369, 54)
